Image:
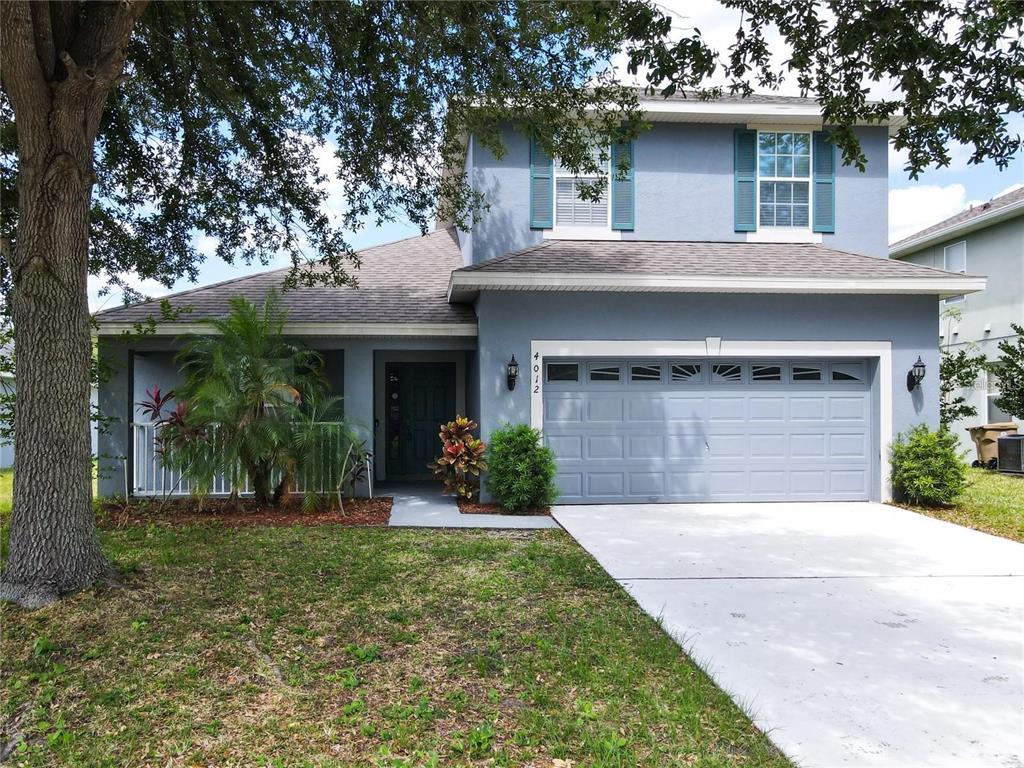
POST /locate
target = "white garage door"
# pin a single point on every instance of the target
(710, 430)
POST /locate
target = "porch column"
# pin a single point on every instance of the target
(359, 393)
(114, 440)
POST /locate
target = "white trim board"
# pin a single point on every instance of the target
(718, 347)
(307, 329)
(464, 284)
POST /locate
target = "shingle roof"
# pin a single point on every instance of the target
(401, 282)
(964, 218)
(729, 98)
(711, 259)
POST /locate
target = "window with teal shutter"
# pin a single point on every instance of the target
(542, 187)
(623, 187)
(745, 180)
(824, 173)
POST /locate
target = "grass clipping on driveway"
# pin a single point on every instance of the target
(332, 646)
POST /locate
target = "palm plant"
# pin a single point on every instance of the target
(326, 451)
(245, 385)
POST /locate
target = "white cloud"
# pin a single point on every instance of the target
(911, 209)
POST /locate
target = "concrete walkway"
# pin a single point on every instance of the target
(424, 506)
(854, 634)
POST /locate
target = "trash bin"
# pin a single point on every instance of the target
(986, 440)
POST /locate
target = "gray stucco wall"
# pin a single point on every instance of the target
(996, 252)
(510, 321)
(684, 191)
(143, 364)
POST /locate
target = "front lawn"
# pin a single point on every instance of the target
(334, 646)
(993, 503)
(6, 490)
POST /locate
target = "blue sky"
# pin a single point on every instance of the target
(913, 205)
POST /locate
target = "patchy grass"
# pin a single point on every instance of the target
(6, 490)
(993, 503)
(334, 646)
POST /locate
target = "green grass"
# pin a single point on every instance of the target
(6, 490)
(344, 647)
(993, 503)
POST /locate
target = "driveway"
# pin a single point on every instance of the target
(854, 634)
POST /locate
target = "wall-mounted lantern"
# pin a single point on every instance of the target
(513, 373)
(916, 375)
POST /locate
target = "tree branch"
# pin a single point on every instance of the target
(21, 73)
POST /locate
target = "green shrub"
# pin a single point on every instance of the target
(927, 467)
(521, 469)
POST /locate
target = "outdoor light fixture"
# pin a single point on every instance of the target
(915, 375)
(513, 373)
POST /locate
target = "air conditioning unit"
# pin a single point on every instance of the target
(1011, 454)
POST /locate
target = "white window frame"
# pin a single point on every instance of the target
(945, 265)
(572, 230)
(810, 185)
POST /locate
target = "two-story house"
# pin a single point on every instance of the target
(986, 239)
(722, 325)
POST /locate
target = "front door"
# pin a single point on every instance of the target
(420, 397)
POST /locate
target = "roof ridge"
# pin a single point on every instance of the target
(976, 210)
(264, 273)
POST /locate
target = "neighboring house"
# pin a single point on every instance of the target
(986, 239)
(723, 325)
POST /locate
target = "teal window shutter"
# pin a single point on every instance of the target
(824, 177)
(745, 180)
(623, 187)
(542, 187)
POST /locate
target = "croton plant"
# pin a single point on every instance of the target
(462, 458)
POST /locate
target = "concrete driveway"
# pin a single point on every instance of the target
(854, 634)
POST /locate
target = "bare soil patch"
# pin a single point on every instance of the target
(476, 508)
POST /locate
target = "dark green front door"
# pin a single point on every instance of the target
(420, 397)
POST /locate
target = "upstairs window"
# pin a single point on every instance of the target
(954, 259)
(573, 211)
(784, 173)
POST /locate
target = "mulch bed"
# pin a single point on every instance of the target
(476, 508)
(358, 512)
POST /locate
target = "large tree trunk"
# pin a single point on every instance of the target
(60, 62)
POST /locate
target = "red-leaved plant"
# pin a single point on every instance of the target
(461, 460)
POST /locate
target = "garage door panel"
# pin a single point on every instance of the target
(805, 482)
(562, 409)
(728, 446)
(570, 486)
(808, 446)
(566, 447)
(767, 446)
(712, 439)
(848, 446)
(848, 481)
(848, 409)
(727, 409)
(646, 447)
(605, 446)
(686, 447)
(685, 409)
(767, 409)
(647, 484)
(609, 484)
(646, 407)
(605, 409)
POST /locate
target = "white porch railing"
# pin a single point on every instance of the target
(151, 478)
